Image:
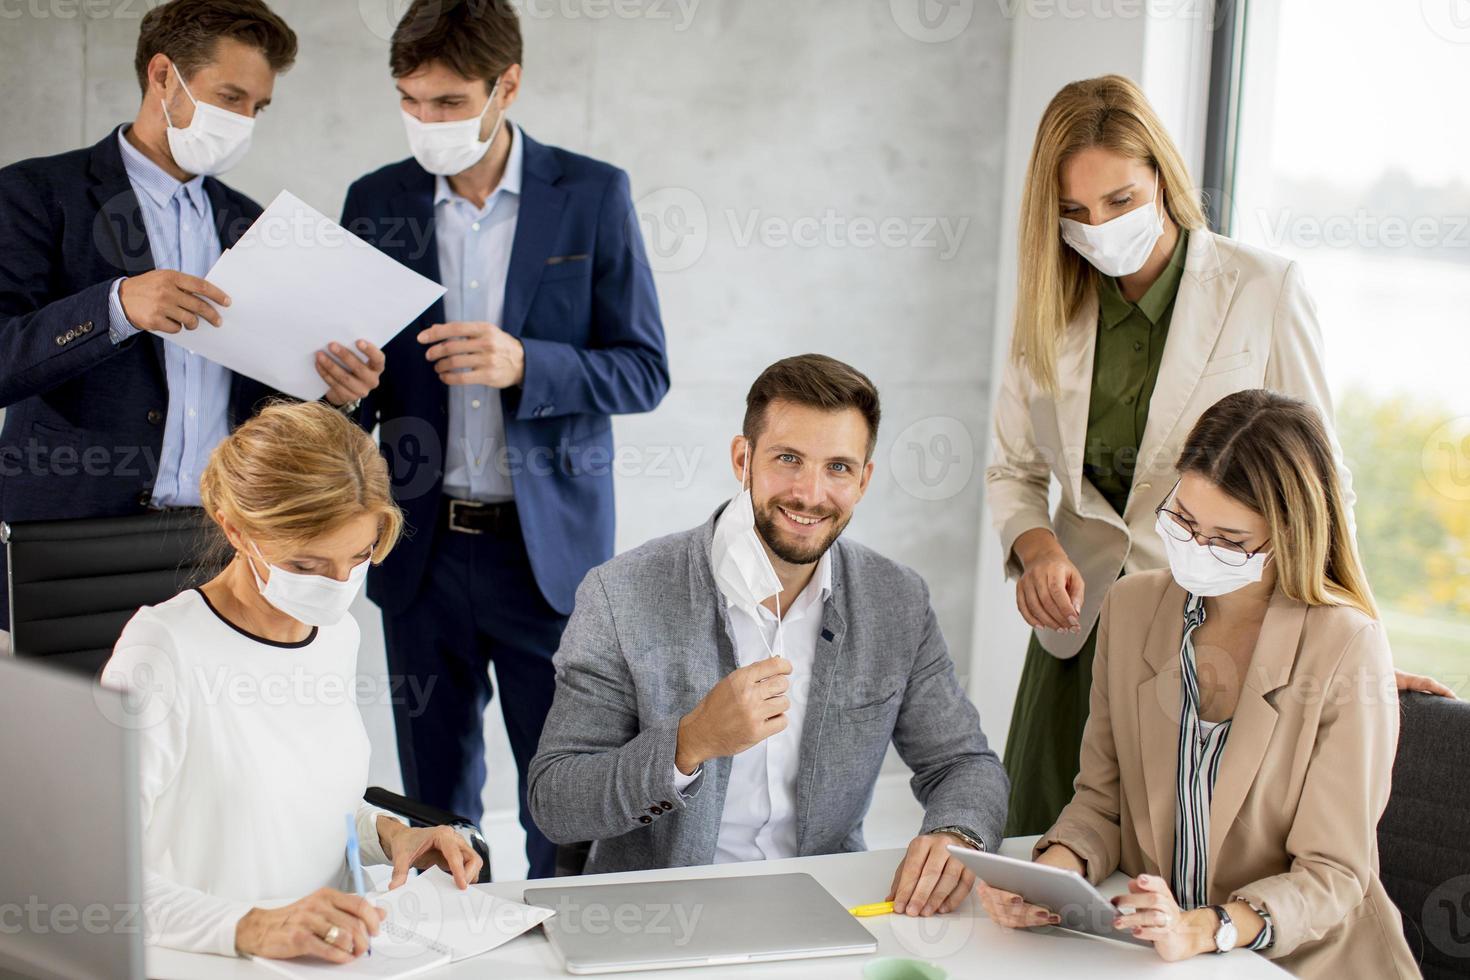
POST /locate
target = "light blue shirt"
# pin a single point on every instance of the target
(181, 235)
(474, 260)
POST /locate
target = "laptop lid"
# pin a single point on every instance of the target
(650, 925)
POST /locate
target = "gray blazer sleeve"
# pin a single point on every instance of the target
(598, 767)
(957, 778)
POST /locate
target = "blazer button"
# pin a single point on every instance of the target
(666, 804)
(86, 327)
(645, 820)
(655, 810)
(61, 341)
(154, 416)
(145, 498)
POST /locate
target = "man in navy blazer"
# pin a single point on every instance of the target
(494, 408)
(102, 250)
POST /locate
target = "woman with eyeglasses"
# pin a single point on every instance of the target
(1131, 319)
(1244, 717)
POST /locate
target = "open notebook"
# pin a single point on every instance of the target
(430, 923)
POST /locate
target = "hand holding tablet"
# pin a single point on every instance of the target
(1026, 894)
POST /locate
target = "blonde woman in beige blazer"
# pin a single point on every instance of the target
(1104, 413)
(1244, 717)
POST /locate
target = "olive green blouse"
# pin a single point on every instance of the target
(1125, 367)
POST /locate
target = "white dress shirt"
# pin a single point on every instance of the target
(759, 819)
(252, 753)
(474, 246)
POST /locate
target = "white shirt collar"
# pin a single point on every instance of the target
(510, 181)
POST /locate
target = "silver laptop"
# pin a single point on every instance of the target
(654, 925)
(71, 858)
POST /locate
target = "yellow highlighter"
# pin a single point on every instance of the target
(877, 908)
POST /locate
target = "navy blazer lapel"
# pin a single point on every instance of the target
(536, 231)
(118, 232)
(230, 222)
(416, 245)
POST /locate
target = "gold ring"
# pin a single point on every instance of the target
(331, 937)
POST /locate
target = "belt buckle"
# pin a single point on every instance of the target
(454, 508)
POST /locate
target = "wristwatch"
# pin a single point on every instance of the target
(974, 842)
(1225, 935)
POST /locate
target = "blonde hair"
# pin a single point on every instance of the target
(295, 472)
(1272, 453)
(1053, 280)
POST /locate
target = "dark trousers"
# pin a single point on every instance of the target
(479, 605)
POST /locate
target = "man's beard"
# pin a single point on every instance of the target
(766, 524)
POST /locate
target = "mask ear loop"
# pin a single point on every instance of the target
(259, 582)
(770, 650)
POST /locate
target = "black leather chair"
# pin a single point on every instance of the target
(75, 584)
(1424, 836)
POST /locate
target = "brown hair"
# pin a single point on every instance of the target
(188, 30)
(817, 381)
(1110, 112)
(473, 38)
(1272, 453)
(297, 471)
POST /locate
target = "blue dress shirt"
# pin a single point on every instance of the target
(474, 247)
(182, 236)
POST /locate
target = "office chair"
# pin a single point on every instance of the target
(1424, 836)
(75, 584)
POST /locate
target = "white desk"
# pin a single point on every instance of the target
(965, 943)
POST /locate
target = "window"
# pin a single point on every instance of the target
(1346, 151)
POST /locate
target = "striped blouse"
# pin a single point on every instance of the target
(1201, 747)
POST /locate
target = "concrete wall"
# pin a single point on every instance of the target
(819, 175)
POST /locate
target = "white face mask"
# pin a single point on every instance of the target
(738, 559)
(448, 148)
(213, 142)
(1121, 246)
(316, 600)
(1200, 573)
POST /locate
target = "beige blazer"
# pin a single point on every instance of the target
(1242, 319)
(1302, 784)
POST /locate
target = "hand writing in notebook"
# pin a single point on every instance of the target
(299, 929)
(428, 847)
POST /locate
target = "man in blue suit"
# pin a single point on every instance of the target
(103, 250)
(494, 407)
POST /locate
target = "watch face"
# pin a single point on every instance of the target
(1225, 937)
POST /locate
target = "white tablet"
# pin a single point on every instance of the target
(1082, 907)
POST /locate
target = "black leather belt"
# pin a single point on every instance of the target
(478, 517)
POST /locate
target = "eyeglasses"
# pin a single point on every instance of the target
(1181, 528)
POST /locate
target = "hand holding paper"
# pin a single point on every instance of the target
(299, 283)
(167, 301)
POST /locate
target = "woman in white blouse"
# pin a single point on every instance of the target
(243, 690)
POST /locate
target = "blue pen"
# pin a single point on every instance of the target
(354, 862)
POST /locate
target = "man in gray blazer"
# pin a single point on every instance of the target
(728, 693)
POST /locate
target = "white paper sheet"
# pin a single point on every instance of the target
(466, 923)
(298, 281)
